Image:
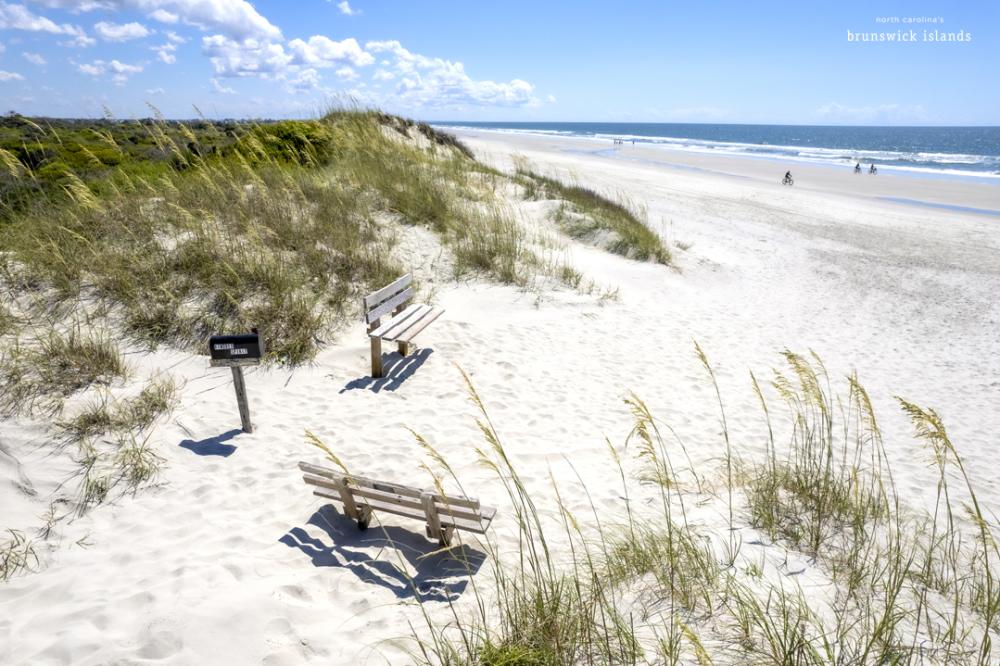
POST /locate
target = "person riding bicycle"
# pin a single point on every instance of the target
(857, 168)
(788, 178)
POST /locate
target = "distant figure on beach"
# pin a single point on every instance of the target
(787, 180)
(873, 170)
(857, 168)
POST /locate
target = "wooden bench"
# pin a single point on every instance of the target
(405, 323)
(361, 496)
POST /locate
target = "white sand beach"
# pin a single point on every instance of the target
(231, 559)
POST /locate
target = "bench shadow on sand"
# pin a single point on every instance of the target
(441, 576)
(397, 369)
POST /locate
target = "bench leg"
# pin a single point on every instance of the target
(403, 348)
(376, 357)
(364, 516)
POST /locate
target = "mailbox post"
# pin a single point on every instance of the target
(235, 352)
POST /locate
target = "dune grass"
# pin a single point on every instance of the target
(17, 555)
(38, 374)
(131, 415)
(281, 228)
(587, 215)
(890, 584)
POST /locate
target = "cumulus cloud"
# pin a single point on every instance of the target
(34, 58)
(236, 19)
(383, 75)
(10, 76)
(346, 73)
(346, 9)
(77, 7)
(119, 71)
(121, 32)
(425, 81)
(156, 91)
(19, 17)
(249, 57)
(221, 89)
(266, 59)
(320, 51)
(307, 80)
(175, 38)
(163, 16)
(165, 52)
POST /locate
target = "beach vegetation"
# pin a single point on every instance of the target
(39, 373)
(888, 582)
(17, 554)
(586, 215)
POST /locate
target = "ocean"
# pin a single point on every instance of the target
(955, 151)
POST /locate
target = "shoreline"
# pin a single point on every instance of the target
(917, 189)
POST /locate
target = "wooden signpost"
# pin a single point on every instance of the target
(236, 351)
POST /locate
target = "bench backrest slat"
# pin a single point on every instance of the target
(335, 476)
(387, 306)
(388, 291)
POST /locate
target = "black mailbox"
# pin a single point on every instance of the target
(242, 349)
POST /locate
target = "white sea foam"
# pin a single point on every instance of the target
(929, 163)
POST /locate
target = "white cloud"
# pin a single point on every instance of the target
(165, 52)
(237, 19)
(92, 70)
(156, 91)
(892, 113)
(308, 79)
(382, 75)
(163, 16)
(121, 32)
(221, 89)
(78, 6)
(266, 59)
(249, 57)
(34, 58)
(19, 17)
(346, 73)
(175, 38)
(551, 99)
(10, 76)
(119, 71)
(322, 51)
(425, 81)
(346, 9)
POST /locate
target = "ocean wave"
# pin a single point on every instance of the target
(954, 164)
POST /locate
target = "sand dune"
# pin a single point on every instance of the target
(232, 560)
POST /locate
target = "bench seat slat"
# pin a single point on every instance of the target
(425, 321)
(374, 298)
(412, 312)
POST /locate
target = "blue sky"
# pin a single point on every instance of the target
(710, 61)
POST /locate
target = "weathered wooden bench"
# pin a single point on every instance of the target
(404, 324)
(361, 496)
